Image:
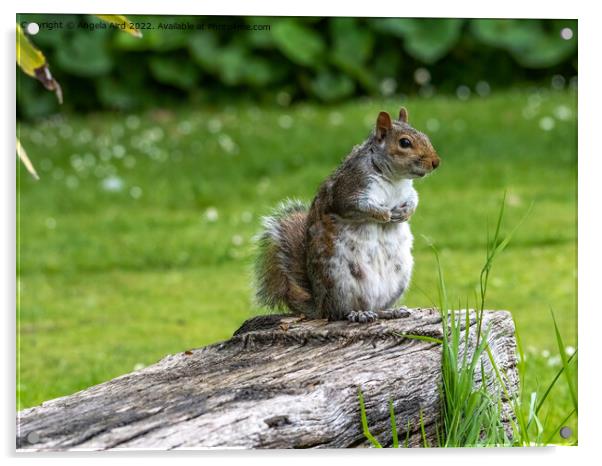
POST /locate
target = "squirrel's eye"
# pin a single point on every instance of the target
(405, 143)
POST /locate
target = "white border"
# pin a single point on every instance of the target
(590, 232)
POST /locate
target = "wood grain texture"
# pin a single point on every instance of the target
(279, 382)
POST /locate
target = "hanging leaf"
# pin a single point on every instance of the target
(25, 159)
(34, 64)
(122, 22)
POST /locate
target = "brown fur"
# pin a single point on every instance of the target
(293, 269)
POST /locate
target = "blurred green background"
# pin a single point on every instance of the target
(137, 240)
(282, 59)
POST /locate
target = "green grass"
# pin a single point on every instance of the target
(472, 415)
(114, 279)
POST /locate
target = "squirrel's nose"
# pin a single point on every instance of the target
(435, 163)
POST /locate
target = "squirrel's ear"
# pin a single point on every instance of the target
(383, 125)
(403, 114)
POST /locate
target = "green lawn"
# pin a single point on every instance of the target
(137, 240)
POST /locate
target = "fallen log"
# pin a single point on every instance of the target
(279, 382)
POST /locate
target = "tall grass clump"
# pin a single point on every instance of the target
(471, 414)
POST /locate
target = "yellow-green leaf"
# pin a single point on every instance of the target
(122, 22)
(34, 64)
(25, 159)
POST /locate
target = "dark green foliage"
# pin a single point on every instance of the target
(533, 43)
(327, 59)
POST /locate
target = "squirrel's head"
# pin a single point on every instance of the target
(409, 152)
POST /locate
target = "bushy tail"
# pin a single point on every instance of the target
(280, 271)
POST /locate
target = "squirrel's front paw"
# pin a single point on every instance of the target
(402, 213)
(382, 216)
(362, 316)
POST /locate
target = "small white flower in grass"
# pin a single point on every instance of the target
(237, 240)
(103, 141)
(566, 33)
(227, 144)
(50, 223)
(84, 136)
(89, 160)
(562, 112)
(102, 171)
(483, 88)
(185, 127)
(129, 162)
(433, 125)
(285, 121)
(117, 131)
(66, 132)
(463, 92)
(545, 354)
(569, 350)
(139, 366)
(335, 118)
(132, 122)
(246, 217)
(136, 192)
(554, 361)
(77, 163)
(530, 111)
(155, 134)
(112, 184)
(72, 182)
(388, 86)
(422, 76)
(214, 125)
(547, 123)
(118, 151)
(211, 214)
(105, 154)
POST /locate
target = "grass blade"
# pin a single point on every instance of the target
(563, 357)
(365, 427)
(393, 425)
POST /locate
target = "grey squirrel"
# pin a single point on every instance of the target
(349, 255)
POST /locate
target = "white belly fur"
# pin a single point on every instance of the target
(382, 252)
(383, 256)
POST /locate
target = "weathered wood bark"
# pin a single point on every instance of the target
(280, 382)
